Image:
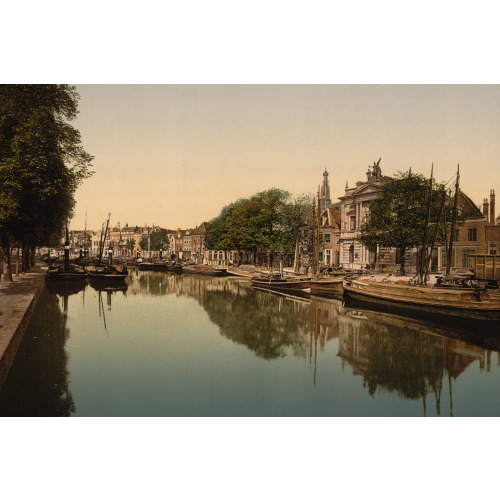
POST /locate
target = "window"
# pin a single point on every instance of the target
(472, 234)
(457, 235)
(492, 247)
(353, 223)
(466, 261)
(337, 240)
(327, 238)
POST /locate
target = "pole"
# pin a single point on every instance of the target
(423, 256)
(453, 222)
(317, 245)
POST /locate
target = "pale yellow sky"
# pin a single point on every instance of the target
(174, 155)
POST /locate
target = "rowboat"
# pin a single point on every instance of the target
(108, 273)
(203, 269)
(66, 273)
(327, 286)
(281, 283)
(458, 302)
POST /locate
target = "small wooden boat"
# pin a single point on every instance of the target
(242, 273)
(327, 286)
(281, 283)
(108, 273)
(463, 302)
(66, 273)
(203, 269)
(174, 268)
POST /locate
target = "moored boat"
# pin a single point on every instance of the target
(464, 302)
(203, 269)
(108, 273)
(66, 273)
(327, 286)
(281, 283)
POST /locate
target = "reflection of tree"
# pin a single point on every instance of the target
(37, 383)
(393, 356)
(267, 324)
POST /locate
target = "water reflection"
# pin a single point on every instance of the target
(351, 356)
(38, 386)
(394, 355)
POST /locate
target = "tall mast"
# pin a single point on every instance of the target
(453, 223)
(423, 256)
(104, 241)
(317, 245)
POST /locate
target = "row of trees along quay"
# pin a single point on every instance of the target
(411, 212)
(267, 221)
(42, 162)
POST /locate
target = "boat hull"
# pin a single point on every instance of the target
(327, 288)
(204, 270)
(456, 303)
(281, 284)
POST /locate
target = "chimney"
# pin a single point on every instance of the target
(486, 207)
(492, 207)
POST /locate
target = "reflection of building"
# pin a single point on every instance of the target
(393, 356)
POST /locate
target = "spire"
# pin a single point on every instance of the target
(324, 192)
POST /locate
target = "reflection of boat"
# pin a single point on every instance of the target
(327, 286)
(203, 269)
(108, 285)
(66, 287)
(281, 283)
(300, 295)
(465, 302)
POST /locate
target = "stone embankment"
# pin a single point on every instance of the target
(17, 303)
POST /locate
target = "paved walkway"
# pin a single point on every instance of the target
(17, 303)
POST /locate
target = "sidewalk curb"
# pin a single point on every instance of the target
(15, 314)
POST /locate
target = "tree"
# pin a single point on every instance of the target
(266, 221)
(159, 239)
(41, 164)
(397, 218)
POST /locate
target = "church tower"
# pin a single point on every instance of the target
(324, 199)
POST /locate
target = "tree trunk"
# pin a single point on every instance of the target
(7, 269)
(25, 261)
(296, 266)
(403, 260)
(32, 255)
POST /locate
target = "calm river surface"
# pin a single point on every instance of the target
(184, 345)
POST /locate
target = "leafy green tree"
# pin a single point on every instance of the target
(266, 221)
(397, 218)
(159, 240)
(41, 164)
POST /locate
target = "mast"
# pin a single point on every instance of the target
(85, 237)
(429, 255)
(101, 247)
(453, 223)
(317, 240)
(66, 249)
(423, 256)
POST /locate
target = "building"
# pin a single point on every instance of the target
(354, 207)
(479, 235)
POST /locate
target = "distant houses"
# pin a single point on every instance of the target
(335, 229)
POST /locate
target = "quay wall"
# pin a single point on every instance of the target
(17, 303)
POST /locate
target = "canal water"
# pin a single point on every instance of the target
(187, 345)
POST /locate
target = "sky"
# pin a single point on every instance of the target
(174, 155)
